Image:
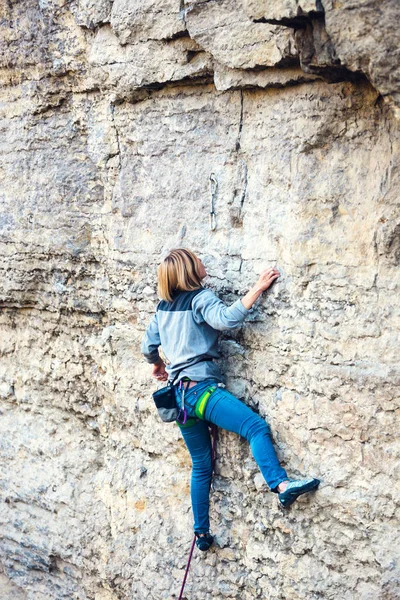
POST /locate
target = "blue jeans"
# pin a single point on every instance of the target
(226, 411)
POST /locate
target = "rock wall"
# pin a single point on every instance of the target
(113, 116)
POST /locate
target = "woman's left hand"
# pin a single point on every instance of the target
(159, 371)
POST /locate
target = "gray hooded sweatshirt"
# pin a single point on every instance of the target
(187, 329)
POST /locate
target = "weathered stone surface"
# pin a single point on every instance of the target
(228, 79)
(140, 20)
(317, 53)
(96, 183)
(90, 13)
(124, 69)
(223, 29)
(281, 10)
(366, 37)
(55, 43)
(360, 36)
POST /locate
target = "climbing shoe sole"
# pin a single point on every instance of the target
(295, 489)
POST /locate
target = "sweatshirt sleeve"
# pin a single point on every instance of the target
(209, 308)
(151, 341)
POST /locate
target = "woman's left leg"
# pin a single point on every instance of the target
(198, 442)
(228, 412)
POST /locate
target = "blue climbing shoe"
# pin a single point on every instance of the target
(295, 488)
(204, 542)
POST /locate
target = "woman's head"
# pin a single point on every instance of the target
(181, 270)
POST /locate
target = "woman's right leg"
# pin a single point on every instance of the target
(228, 412)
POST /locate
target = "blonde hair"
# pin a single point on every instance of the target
(178, 271)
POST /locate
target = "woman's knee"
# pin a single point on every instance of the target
(202, 464)
(257, 427)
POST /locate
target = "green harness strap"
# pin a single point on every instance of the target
(201, 403)
(200, 408)
(189, 423)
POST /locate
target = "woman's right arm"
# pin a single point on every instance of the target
(209, 308)
(266, 278)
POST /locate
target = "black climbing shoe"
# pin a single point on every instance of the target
(204, 542)
(295, 488)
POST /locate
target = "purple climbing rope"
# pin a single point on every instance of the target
(214, 432)
(187, 568)
(213, 429)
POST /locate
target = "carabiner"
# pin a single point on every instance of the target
(182, 417)
(182, 411)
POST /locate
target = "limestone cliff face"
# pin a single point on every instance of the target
(113, 116)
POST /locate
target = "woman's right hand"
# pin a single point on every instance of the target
(267, 277)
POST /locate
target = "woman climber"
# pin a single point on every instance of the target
(186, 325)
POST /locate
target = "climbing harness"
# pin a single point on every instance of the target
(164, 399)
(214, 187)
(214, 433)
(183, 421)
